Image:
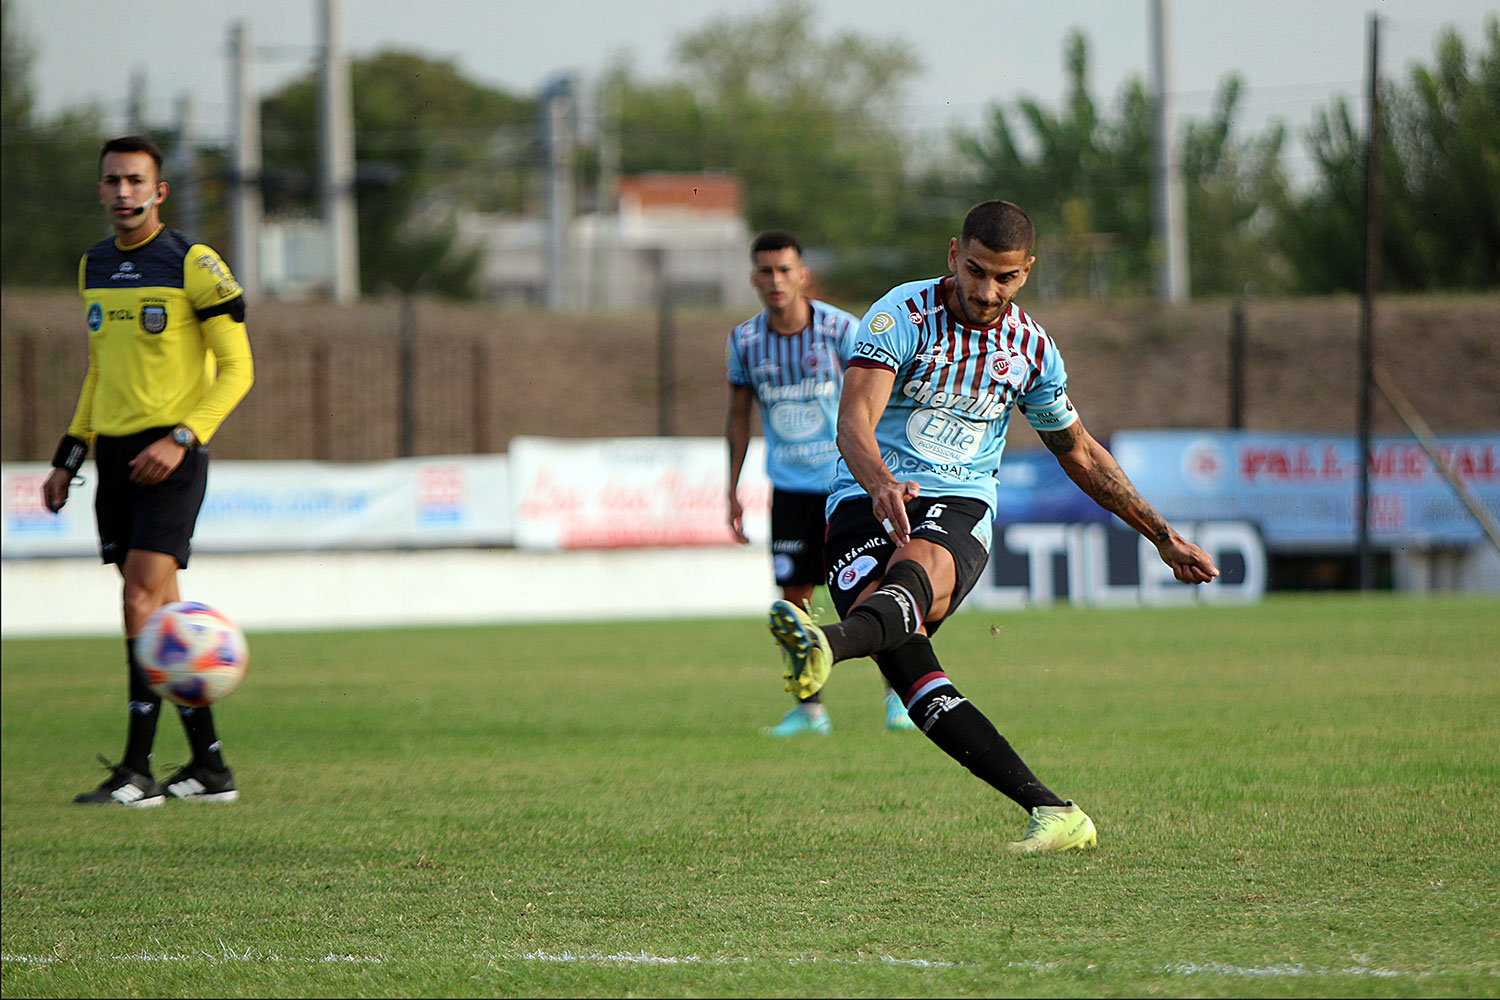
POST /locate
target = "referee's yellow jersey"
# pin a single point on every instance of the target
(167, 341)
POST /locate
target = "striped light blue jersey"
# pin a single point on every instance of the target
(944, 427)
(796, 379)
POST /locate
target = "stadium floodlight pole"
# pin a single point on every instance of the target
(1367, 305)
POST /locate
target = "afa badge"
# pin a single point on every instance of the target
(96, 317)
(153, 318)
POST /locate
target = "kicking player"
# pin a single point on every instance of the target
(937, 366)
(789, 358)
(168, 359)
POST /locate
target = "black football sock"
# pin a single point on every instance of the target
(145, 709)
(963, 733)
(816, 698)
(199, 725)
(887, 618)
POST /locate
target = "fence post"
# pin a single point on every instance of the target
(479, 370)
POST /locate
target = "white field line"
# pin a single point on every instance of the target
(228, 954)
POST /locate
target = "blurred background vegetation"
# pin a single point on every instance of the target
(808, 122)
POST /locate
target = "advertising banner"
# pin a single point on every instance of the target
(1035, 564)
(1301, 490)
(632, 492)
(283, 506)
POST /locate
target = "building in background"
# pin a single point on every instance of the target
(683, 232)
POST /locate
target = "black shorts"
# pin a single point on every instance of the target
(797, 530)
(859, 548)
(157, 518)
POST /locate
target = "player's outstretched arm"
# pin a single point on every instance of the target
(1089, 464)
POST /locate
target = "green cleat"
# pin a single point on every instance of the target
(808, 659)
(801, 720)
(1056, 828)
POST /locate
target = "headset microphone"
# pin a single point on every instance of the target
(142, 208)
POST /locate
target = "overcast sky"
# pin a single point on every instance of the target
(1293, 54)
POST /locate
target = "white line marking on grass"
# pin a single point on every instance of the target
(645, 958)
(228, 955)
(619, 958)
(1216, 969)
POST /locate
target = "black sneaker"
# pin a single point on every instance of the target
(196, 783)
(125, 787)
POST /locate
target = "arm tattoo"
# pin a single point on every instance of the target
(1113, 490)
(1106, 483)
(1059, 442)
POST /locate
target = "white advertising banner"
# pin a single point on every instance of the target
(280, 506)
(632, 492)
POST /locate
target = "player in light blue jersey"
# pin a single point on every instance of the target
(937, 367)
(789, 359)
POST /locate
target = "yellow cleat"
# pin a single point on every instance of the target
(1056, 828)
(808, 658)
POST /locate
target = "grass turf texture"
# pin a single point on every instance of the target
(1296, 799)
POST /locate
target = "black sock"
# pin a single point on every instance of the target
(199, 725)
(963, 733)
(145, 709)
(887, 618)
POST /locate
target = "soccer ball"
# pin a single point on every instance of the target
(192, 654)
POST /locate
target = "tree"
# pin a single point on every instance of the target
(426, 139)
(1086, 181)
(1440, 181)
(48, 170)
(804, 120)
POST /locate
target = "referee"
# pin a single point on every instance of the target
(168, 359)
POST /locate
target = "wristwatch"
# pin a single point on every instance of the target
(183, 436)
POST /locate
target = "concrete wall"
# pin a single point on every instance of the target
(331, 590)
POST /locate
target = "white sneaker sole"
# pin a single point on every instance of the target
(210, 797)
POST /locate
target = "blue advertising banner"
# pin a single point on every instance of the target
(1301, 489)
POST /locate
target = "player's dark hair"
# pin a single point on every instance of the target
(776, 239)
(132, 144)
(1000, 226)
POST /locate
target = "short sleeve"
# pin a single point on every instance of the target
(734, 362)
(1045, 403)
(886, 338)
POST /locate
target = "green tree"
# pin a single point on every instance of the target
(1440, 180)
(1086, 181)
(1234, 190)
(48, 170)
(426, 140)
(805, 120)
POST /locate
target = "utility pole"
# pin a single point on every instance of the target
(336, 163)
(557, 109)
(1168, 211)
(604, 192)
(135, 103)
(245, 205)
(187, 205)
(1367, 305)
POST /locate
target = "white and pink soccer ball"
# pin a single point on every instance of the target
(192, 654)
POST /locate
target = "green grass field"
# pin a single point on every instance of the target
(1295, 799)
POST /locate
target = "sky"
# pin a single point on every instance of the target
(1294, 55)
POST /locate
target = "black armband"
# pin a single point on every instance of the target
(234, 309)
(71, 452)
